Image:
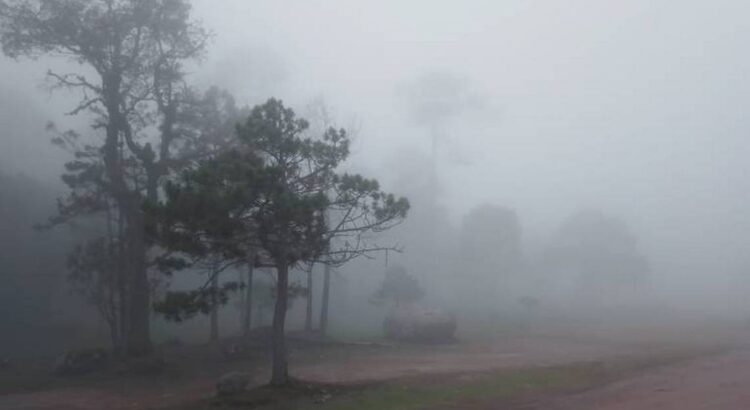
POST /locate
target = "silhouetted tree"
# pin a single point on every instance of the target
(398, 288)
(600, 250)
(132, 54)
(491, 239)
(325, 299)
(279, 192)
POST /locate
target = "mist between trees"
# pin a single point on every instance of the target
(193, 208)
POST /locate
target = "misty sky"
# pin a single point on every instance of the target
(634, 107)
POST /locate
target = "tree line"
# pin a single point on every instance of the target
(169, 177)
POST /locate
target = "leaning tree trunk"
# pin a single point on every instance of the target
(279, 369)
(309, 310)
(324, 300)
(247, 316)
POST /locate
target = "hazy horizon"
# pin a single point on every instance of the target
(632, 108)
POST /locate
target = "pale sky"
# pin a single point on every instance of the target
(634, 107)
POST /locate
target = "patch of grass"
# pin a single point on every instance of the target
(446, 390)
(500, 385)
(505, 385)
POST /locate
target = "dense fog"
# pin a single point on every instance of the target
(560, 158)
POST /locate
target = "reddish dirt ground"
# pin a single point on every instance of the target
(410, 361)
(715, 383)
(347, 364)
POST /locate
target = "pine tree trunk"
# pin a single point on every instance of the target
(247, 318)
(139, 307)
(214, 307)
(122, 308)
(139, 332)
(260, 315)
(114, 334)
(325, 298)
(136, 333)
(279, 369)
(309, 311)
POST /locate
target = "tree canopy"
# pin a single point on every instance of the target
(398, 287)
(278, 192)
(131, 57)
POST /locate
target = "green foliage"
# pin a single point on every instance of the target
(273, 192)
(201, 214)
(179, 306)
(81, 29)
(150, 123)
(277, 192)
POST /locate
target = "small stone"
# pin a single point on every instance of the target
(232, 383)
(323, 398)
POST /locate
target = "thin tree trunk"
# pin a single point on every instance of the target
(309, 311)
(114, 334)
(259, 315)
(123, 312)
(139, 331)
(324, 300)
(139, 335)
(214, 307)
(279, 372)
(121, 287)
(247, 318)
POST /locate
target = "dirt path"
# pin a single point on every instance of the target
(716, 383)
(334, 365)
(195, 372)
(410, 361)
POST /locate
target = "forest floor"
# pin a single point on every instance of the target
(562, 368)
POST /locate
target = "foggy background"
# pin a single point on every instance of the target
(633, 109)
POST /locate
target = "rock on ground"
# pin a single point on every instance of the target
(232, 383)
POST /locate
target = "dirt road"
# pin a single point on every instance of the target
(714, 383)
(711, 383)
(334, 365)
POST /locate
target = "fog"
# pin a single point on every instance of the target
(635, 108)
(547, 119)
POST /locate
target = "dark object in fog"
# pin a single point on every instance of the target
(142, 366)
(80, 362)
(232, 383)
(420, 325)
